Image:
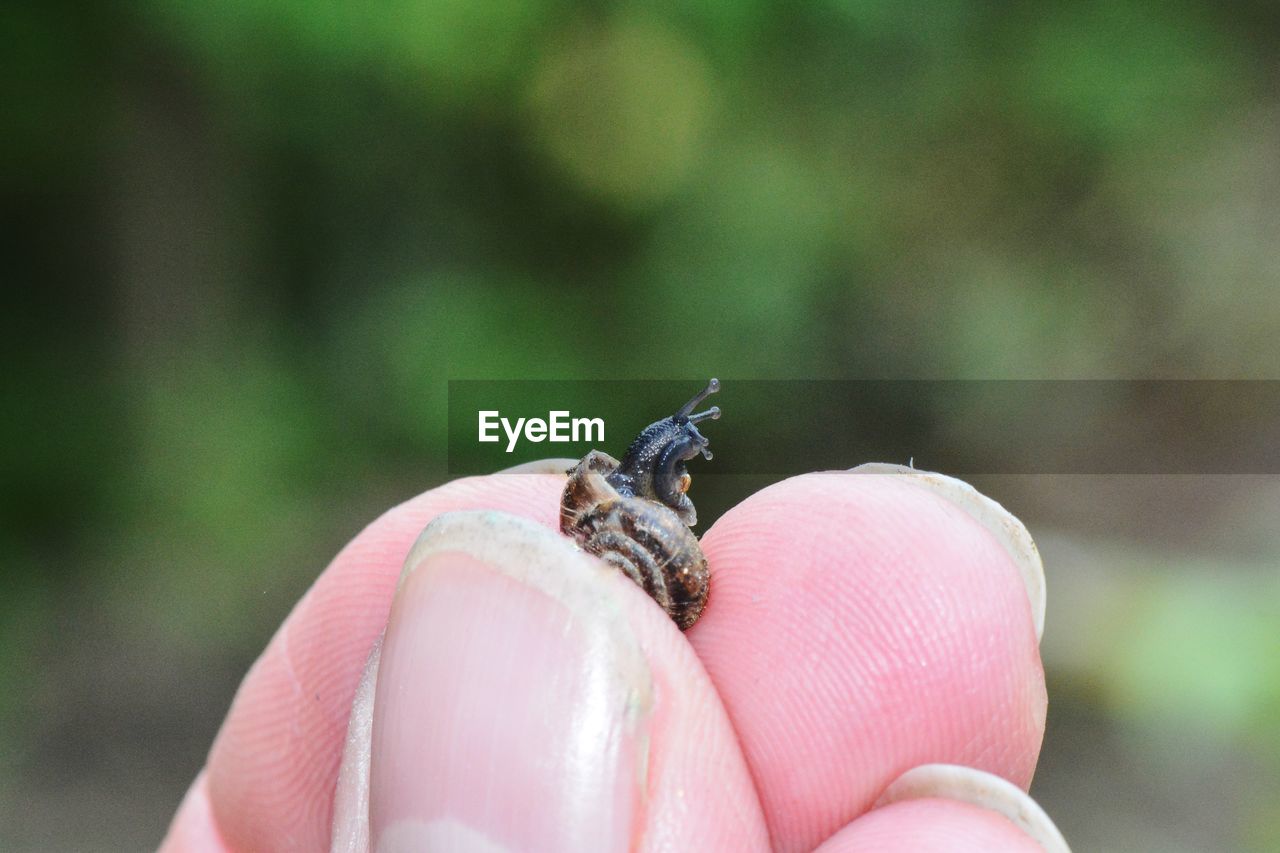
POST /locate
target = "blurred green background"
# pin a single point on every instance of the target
(251, 242)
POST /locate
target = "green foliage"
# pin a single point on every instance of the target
(1200, 651)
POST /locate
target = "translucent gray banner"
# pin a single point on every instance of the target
(962, 427)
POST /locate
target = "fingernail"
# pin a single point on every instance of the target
(351, 795)
(982, 789)
(512, 702)
(1007, 529)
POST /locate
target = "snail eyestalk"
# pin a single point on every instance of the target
(712, 387)
(713, 413)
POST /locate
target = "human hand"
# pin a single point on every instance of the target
(529, 697)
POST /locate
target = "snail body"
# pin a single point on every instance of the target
(635, 514)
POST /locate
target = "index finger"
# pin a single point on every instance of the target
(861, 625)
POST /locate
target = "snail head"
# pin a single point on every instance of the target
(654, 464)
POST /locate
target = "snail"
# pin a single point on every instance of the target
(636, 514)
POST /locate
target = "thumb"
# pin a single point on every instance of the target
(529, 697)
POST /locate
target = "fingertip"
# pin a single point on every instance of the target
(859, 626)
(555, 465)
(984, 790)
(500, 652)
(1007, 529)
(930, 826)
(519, 669)
(273, 766)
(193, 829)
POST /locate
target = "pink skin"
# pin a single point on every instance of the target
(924, 825)
(858, 626)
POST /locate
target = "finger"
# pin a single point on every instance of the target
(273, 766)
(858, 626)
(949, 808)
(192, 829)
(921, 826)
(530, 697)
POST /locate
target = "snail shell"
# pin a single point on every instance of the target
(636, 514)
(643, 538)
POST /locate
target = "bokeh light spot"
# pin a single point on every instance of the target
(623, 110)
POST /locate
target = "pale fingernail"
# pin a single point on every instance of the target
(351, 796)
(982, 789)
(512, 705)
(1008, 530)
(414, 836)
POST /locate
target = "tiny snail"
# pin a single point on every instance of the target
(636, 514)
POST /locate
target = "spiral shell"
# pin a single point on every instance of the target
(644, 539)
